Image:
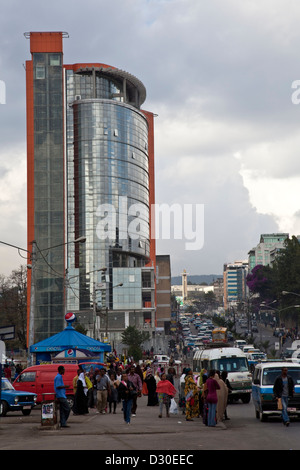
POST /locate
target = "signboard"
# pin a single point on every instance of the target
(47, 410)
(49, 414)
(7, 332)
(2, 352)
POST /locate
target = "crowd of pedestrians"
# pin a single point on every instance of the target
(120, 386)
(204, 396)
(11, 370)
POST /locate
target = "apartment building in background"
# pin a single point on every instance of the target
(234, 282)
(163, 292)
(270, 244)
(90, 172)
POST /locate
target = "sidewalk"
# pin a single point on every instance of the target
(108, 432)
(146, 421)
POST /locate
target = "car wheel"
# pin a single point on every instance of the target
(246, 398)
(263, 417)
(26, 412)
(3, 408)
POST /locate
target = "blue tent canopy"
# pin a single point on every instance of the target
(69, 338)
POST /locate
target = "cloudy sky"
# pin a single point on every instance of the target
(219, 76)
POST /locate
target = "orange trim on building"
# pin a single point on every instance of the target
(46, 42)
(150, 119)
(40, 42)
(30, 175)
(75, 67)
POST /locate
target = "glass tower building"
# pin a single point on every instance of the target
(90, 174)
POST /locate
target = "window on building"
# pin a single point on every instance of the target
(55, 59)
(40, 72)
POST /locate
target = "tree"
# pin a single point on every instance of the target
(81, 329)
(134, 339)
(13, 305)
(287, 275)
(287, 270)
(262, 286)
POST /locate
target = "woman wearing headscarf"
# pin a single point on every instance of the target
(222, 395)
(165, 391)
(151, 387)
(191, 396)
(80, 406)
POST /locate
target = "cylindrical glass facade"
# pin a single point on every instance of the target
(108, 185)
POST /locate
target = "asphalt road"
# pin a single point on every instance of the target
(148, 432)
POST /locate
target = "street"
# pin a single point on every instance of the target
(149, 433)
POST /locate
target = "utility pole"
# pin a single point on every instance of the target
(32, 302)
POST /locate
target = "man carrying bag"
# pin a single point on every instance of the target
(283, 389)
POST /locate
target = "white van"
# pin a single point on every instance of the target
(163, 359)
(239, 343)
(231, 360)
(248, 348)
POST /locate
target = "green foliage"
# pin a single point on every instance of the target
(287, 269)
(134, 338)
(13, 306)
(80, 328)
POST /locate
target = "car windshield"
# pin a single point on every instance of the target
(289, 352)
(230, 364)
(269, 375)
(258, 356)
(6, 385)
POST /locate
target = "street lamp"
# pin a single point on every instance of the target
(249, 314)
(285, 292)
(102, 314)
(277, 309)
(279, 312)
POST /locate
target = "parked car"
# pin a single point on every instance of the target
(15, 400)
(40, 379)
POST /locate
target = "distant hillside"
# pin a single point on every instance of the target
(196, 279)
